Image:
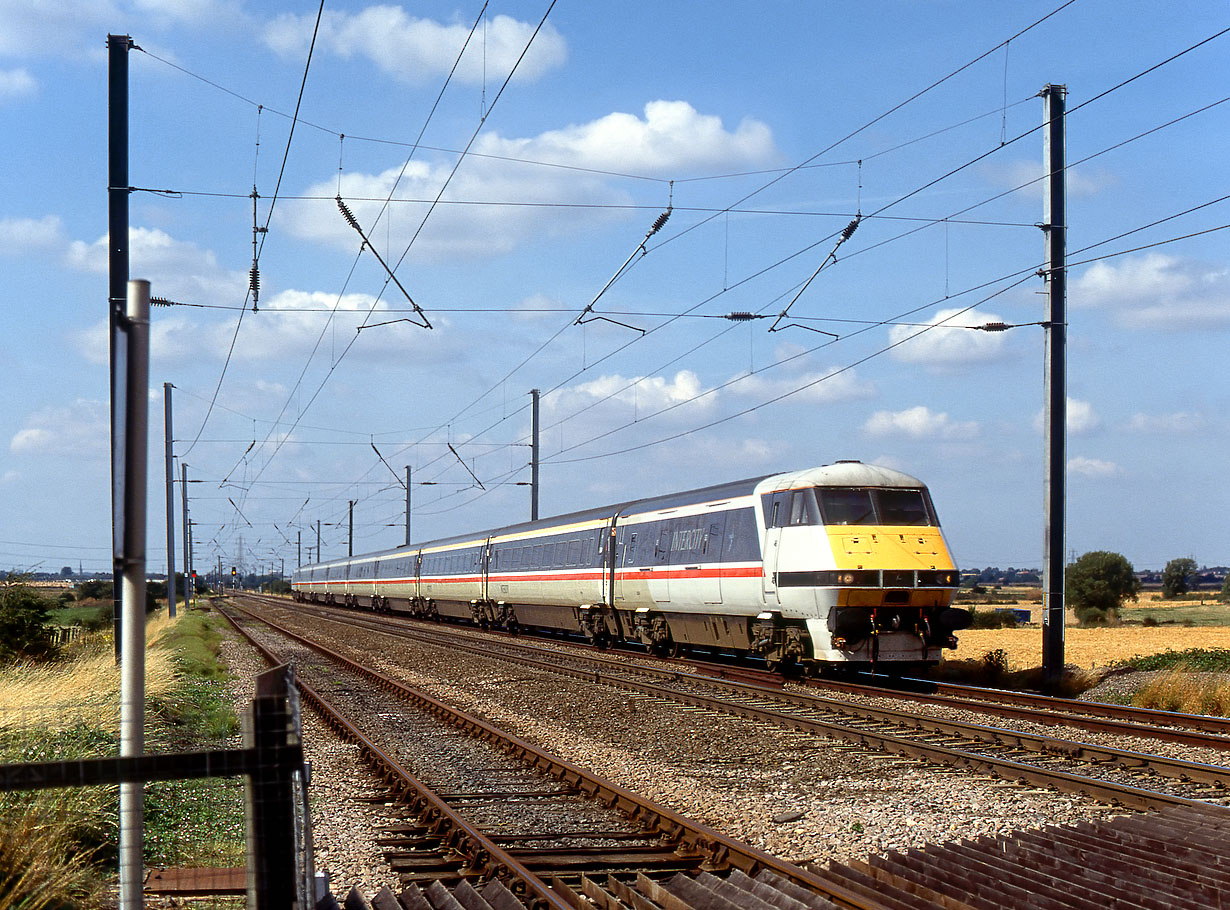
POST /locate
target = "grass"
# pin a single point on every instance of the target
(41, 868)
(1187, 611)
(78, 615)
(1088, 648)
(1184, 689)
(70, 709)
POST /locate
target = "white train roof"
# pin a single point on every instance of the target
(840, 474)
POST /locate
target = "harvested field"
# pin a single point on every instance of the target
(1088, 647)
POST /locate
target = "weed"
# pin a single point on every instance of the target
(1181, 689)
(70, 709)
(43, 864)
(1206, 660)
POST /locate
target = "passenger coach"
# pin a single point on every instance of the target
(842, 564)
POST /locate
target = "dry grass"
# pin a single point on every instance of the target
(85, 685)
(1183, 689)
(41, 865)
(1087, 647)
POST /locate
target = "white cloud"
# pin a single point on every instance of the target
(671, 137)
(1028, 176)
(80, 429)
(1080, 417)
(918, 423)
(176, 269)
(19, 236)
(16, 85)
(190, 12)
(817, 386)
(954, 341)
(529, 308)
(1092, 467)
(30, 28)
(1157, 291)
(9, 477)
(1166, 424)
(510, 203)
(645, 394)
(417, 50)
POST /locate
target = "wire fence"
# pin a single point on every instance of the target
(226, 828)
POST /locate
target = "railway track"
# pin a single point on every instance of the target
(1047, 709)
(491, 808)
(1125, 776)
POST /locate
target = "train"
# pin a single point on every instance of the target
(839, 566)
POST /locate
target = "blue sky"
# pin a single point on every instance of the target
(766, 128)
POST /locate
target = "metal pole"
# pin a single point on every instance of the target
(299, 541)
(1055, 225)
(350, 536)
(117, 295)
(188, 573)
(407, 505)
(183, 492)
(166, 422)
(132, 654)
(534, 457)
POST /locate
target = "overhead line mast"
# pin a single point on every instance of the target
(1055, 218)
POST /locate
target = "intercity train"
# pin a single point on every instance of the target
(841, 565)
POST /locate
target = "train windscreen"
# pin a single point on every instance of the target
(846, 506)
(864, 506)
(903, 507)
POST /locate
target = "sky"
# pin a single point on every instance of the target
(507, 165)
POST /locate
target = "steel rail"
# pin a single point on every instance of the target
(1101, 790)
(1204, 722)
(719, 850)
(480, 851)
(1186, 729)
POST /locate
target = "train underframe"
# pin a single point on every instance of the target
(884, 636)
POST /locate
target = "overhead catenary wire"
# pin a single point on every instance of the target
(482, 121)
(803, 164)
(1137, 229)
(269, 216)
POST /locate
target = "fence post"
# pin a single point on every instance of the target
(270, 796)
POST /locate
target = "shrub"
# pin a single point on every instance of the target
(95, 590)
(1096, 585)
(1176, 577)
(24, 622)
(1207, 660)
(992, 619)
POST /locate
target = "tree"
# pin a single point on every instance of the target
(1176, 577)
(1225, 588)
(66, 572)
(24, 620)
(1096, 585)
